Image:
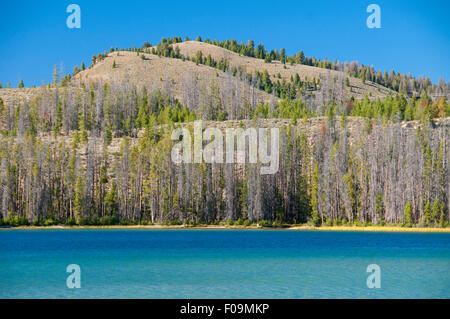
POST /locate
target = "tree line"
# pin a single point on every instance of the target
(100, 154)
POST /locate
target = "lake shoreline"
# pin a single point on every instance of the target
(238, 227)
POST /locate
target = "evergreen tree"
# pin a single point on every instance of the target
(435, 211)
(407, 215)
(442, 221)
(78, 200)
(82, 128)
(59, 118)
(427, 213)
(55, 75)
(199, 57)
(75, 140)
(315, 196)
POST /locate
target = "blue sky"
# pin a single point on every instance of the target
(415, 35)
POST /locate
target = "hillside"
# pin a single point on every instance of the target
(185, 79)
(324, 175)
(82, 152)
(181, 79)
(14, 95)
(310, 127)
(359, 89)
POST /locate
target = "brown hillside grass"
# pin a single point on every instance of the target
(176, 77)
(172, 76)
(190, 48)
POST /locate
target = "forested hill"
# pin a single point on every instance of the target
(191, 63)
(94, 146)
(405, 84)
(92, 159)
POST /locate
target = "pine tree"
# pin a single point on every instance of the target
(407, 216)
(379, 208)
(59, 118)
(75, 140)
(199, 57)
(427, 213)
(108, 135)
(82, 128)
(55, 75)
(21, 85)
(442, 217)
(78, 199)
(111, 200)
(315, 196)
(435, 211)
(300, 57)
(283, 55)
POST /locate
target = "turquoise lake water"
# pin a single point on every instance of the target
(223, 264)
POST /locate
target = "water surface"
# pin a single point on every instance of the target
(130, 263)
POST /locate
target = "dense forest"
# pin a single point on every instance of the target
(100, 153)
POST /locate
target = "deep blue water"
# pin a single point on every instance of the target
(223, 264)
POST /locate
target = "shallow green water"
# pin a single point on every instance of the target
(223, 264)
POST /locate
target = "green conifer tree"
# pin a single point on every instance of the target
(78, 199)
(315, 196)
(427, 213)
(407, 215)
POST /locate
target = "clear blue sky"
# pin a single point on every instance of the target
(415, 35)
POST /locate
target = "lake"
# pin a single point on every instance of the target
(199, 263)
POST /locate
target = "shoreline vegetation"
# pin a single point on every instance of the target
(377, 228)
